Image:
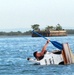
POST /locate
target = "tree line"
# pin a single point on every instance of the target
(47, 28)
(18, 33)
(36, 27)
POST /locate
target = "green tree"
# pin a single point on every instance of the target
(35, 27)
(49, 28)
(58, 27)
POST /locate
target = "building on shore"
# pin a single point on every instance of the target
(51, 33)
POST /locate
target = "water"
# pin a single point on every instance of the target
(14, 52)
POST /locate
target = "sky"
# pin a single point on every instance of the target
(19, 15)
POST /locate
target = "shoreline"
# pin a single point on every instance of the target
(30, 35)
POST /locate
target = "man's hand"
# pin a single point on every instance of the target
(48, 41)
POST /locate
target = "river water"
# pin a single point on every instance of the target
(14, 52)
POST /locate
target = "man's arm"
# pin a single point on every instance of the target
(44, 47)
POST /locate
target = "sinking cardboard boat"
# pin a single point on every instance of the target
(65, 57)
(67, 54)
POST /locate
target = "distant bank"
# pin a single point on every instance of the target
(19, 33)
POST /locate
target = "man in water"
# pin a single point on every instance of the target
(40, 55)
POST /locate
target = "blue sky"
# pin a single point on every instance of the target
(21, 14)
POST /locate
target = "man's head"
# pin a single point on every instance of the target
(35, 54)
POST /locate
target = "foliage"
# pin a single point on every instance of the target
(18, 33)
(70, 31)
(58, 27)
(49, 28)
(35, 27)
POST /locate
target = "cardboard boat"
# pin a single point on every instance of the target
(65, 57)
(67, 54)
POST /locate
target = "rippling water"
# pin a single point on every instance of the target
(14, 52)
